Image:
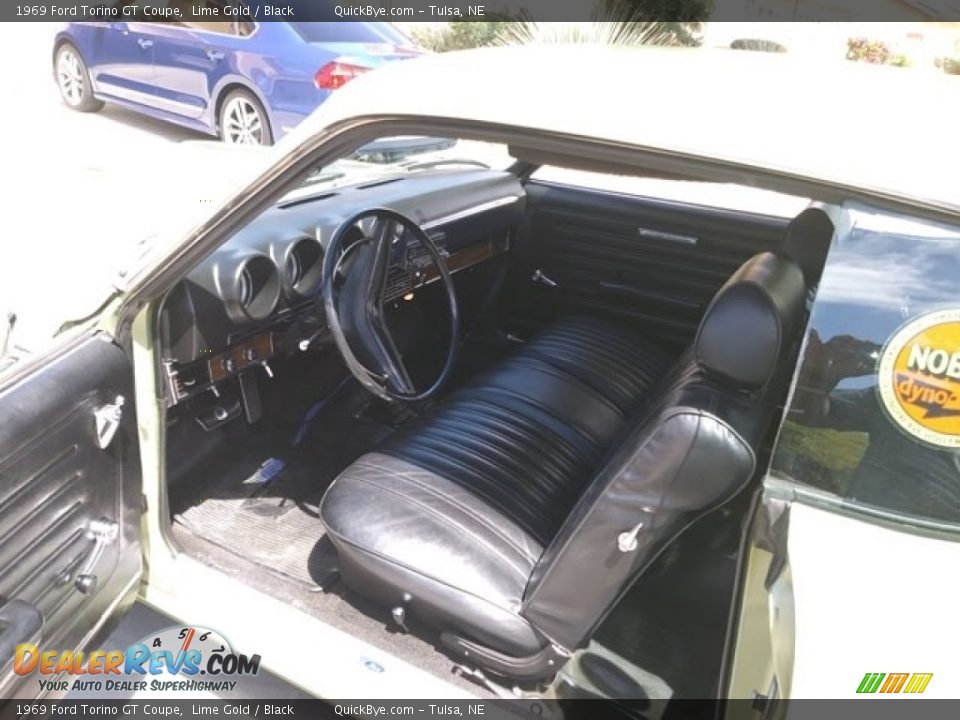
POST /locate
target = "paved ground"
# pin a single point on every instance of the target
(79, 189)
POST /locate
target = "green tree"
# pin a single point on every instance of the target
(680, 20)
(614, 22)
(620, 22)
(459, 35)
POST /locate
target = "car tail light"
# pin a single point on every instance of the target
(336, 74)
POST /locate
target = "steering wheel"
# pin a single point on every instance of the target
(353, 298)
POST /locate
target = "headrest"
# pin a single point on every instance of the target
(807, 240)
(750, 320)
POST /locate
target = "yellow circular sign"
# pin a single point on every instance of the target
(919, 378)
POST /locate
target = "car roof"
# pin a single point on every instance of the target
(888, 130)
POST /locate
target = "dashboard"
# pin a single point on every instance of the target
(257, 295)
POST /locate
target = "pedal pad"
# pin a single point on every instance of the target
(250, 392)
(267, 471)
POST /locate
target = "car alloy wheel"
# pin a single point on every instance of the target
(70, 77)
(243, 123)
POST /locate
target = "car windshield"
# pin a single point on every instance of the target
(401, 155)
(334, 32)
(393, 34)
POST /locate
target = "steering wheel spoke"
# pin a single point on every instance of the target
(356, 314)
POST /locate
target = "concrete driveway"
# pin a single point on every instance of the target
(80, 190)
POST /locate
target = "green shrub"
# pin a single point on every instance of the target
(615, 22)
(899, 60)
(758, 44)
(598, 33)
(458, 35)
(950, 65)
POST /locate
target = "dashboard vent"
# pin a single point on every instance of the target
(301, 200)
(254, 289)
(303, 267)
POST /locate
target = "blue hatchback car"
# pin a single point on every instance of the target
(247, 81)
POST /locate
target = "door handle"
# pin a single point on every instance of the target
(108, 419)
(541, 278)
(145, 44)
(20, 622)
(103, 532)
(215, 55)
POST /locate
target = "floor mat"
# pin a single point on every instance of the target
(264, 507)
(251, 512)
(257, 519)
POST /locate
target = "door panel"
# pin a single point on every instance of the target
(652, 262)
(62, 497)
(189, 64)
(121, 62)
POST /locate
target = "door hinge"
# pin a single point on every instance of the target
(108, 419)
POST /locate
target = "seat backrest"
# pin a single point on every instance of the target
(689, 452)
(806, 241)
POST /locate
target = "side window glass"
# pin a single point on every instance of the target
(191, 9)
(875, 416)
(707, 194)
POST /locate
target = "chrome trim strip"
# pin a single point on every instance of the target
(649, 234)
(470, 211)
(191, 29)
(795, 491)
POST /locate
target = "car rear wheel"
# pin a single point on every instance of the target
(243, 121)
(74, 80)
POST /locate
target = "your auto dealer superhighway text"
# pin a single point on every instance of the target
(163, 13)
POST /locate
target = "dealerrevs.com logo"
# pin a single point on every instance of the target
(177, 659)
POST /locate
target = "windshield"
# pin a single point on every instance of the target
(334, 32)
(402, 155)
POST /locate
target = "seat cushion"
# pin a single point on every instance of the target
(451, 514)
(527, 435)
(509, 453)
(617, 362)
(409, 537)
